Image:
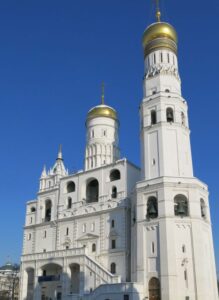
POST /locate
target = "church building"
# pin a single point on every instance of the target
(115, 231)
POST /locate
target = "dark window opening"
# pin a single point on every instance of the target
(183, 118)
(114, 192)
(113, 244)
(92, 192)
(113, 223)
(93, 247)
(153, 248)
(67, 231)
(33, 209)
(181, 206)
(126, 297)
(154, 58)
(70, 187)
(152, 208)
(48, 210)
(185, 275)
(153, 117)
(169, 113)
(69, 203)
(203, 208)
(115, 175)
(113, 268)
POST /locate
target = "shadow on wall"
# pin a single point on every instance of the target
(63, 287)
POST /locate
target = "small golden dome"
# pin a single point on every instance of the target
(102, 111)
(160, 30)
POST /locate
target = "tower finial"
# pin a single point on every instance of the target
(103, 93)
(158, 13)
(60, 152)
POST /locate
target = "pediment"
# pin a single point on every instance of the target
(88, 236)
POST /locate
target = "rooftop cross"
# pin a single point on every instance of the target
(158, 13)
(103, 93)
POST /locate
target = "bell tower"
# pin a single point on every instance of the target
(165, 134)
(171, 227)
(102, 145)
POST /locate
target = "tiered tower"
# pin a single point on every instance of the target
(171, 219)
(102, 136)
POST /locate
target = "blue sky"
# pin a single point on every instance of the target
(54, 56)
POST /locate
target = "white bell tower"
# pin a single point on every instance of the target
(165, 134)
(171, 219)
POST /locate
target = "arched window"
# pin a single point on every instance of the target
(113, 268)
(169, 114)
(152, 208)
(153, 117)
(48, 210)
(33, 209)
(203, 208)
(181, 206)
(93, 247)
(70, 187)
(114, 192)
(115, 175)
(154, 289)
(92, 191)
(69, 202)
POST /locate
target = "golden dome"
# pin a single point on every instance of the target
(159, 35)
(159, 30)
(102, 111)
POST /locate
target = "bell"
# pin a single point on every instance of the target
(152, 212)
(181, 210)
(169, 117)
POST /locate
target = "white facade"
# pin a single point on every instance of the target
(114, 231)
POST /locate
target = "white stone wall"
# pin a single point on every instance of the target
(102, 142)
(82, 225)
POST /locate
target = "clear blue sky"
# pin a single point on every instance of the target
(53, 58)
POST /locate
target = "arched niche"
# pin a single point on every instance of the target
(92, 191)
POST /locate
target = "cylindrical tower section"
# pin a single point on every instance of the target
(102, 137)
(160, 58)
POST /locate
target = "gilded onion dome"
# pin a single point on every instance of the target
(102, 110)
(159, 35)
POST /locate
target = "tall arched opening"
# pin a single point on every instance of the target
(92, 191)
(154, 289)
(75, 279)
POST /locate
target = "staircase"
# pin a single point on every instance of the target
(103, 276)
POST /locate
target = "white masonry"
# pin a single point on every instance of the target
(113, 231)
